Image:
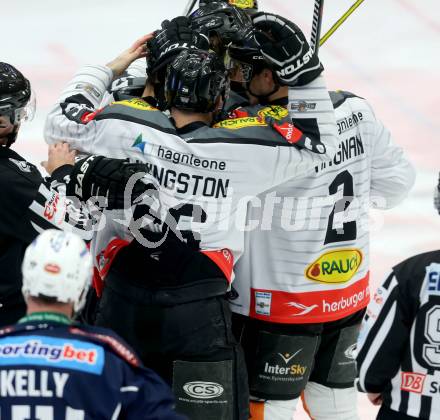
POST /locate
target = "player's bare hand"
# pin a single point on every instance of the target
(375, 399)
(59, 154)
(122, 61)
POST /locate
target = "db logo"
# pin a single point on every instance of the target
(203, 390)
(412, 382)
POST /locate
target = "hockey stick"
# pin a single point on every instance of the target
(316, 25)
(189, 7)
(339, 22)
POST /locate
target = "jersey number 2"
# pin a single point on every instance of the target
(340, 232)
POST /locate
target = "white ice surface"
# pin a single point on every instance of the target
(387, 52)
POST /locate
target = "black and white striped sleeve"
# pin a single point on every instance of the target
(383, 337)
(32, 204)
(52, 209)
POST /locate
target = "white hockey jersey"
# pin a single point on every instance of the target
(306, 256)
(205, 180)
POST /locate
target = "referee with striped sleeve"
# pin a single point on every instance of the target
(399, 344)
(29, 202)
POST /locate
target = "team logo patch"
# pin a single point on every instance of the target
(136, 104)
(412, 382)
(21, 164)
(237, 123)
(53, 352)
(335, 266)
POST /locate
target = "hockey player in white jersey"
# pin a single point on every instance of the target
(87, 129)
(302, 284)
(398, 348)
(201, 174)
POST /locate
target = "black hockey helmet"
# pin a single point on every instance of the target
(195, 81)
(248, 56)
(15, 93)
(244, 60)
(16, 100)
(222, 21)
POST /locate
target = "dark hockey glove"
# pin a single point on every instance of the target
(286, 49)
(176, 35)
(98, 176)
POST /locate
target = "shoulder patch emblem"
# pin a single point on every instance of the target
(21, 164)
(92, 90)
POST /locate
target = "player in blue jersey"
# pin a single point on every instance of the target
(52, 368)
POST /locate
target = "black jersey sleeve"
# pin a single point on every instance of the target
(383, 338)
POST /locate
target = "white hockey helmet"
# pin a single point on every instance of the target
(57, 265)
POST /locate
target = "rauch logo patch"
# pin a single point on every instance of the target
(335, 266)
(237, 123)
(136, 104)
